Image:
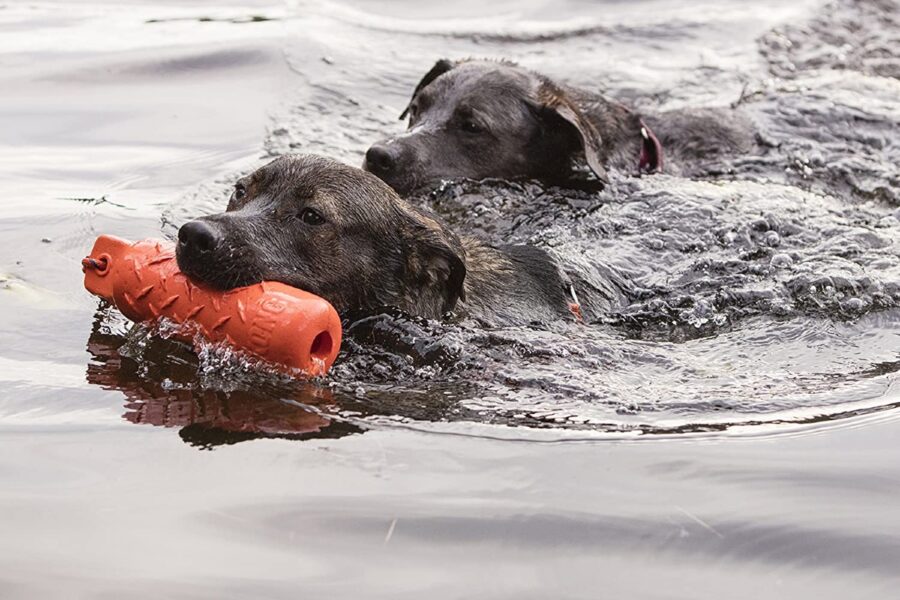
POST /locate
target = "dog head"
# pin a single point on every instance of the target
(332, 230)
(479, 119)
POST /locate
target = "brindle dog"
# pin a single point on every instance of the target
(477, 119)
(342, 234)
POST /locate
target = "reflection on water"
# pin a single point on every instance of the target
(161, 388)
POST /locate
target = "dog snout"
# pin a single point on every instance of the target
(198, 236)
(380, 160)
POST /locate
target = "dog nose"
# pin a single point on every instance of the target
(379, 160)
(198, 235)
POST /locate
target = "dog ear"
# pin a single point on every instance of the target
(435, 266)
(557, 108)
(439, 68)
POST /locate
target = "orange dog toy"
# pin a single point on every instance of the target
(278, 323)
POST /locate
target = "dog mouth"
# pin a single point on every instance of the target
(400, 177)
(399, 182)
(219, 268)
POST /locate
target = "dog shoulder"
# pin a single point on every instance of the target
(703, 132)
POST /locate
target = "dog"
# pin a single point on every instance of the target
(478, 119)
(343, 234)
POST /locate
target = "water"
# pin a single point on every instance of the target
(729, 430)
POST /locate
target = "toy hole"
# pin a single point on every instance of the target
(321, 346)
(99, 265)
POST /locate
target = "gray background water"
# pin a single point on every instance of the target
(695, 444)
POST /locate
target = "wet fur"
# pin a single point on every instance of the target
(537, 128)
(372, 250)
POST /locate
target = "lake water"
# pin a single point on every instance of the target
(730, 431)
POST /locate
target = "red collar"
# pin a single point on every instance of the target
(575, 306)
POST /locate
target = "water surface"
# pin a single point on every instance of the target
(729, 430)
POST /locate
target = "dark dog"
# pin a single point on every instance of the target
(477, 119)
(341, 233)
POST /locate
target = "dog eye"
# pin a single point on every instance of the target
(470, 126)
(311, 217)
(240, 192)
